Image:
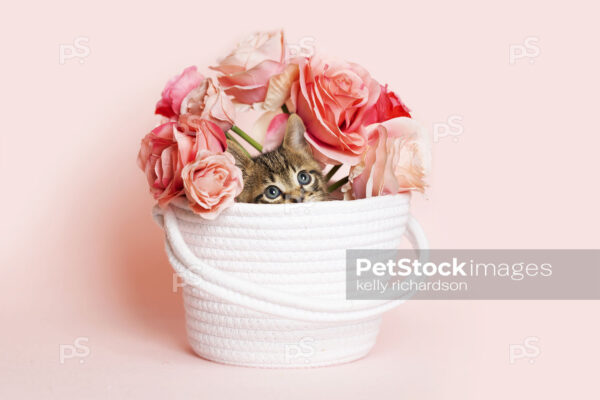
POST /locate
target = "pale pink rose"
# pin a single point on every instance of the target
(332, 97)
(208, 101)
(176, 90)
(212, 183)
(162, 156)
(395, 161)
(249, 68)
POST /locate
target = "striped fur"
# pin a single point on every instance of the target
(280, 168)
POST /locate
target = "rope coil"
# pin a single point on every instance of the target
(295, 272)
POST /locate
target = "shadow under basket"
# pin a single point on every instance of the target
(265, 285)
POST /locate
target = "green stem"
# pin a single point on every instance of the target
(285, 109)
(332, 172)
(247, 138)
(228, 136)
(337, 185)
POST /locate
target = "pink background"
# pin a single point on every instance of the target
(81, 256)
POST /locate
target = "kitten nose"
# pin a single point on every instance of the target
(297, 199)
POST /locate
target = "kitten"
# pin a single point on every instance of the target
(288, 174)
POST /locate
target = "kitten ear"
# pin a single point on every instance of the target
(242, 159)
(294, 135)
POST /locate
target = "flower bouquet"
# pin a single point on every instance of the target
(265, 284)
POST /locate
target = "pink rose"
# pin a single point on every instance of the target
(395, 161)
(207, 134)
(176, 90)
(166, 150)
(212, 183)
(249, 68)
(209, 102)
(332, 97)
(388, 106)
(163, 154)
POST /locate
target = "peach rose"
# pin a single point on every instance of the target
(208, 101)
(248, 70)
(332, 97)
(176, 90)
(396, 160)
(163, 153)
(280, 87)
(212, 183)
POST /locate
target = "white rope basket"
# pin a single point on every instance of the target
(265, 284)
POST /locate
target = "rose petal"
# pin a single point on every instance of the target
(260, 127)
(275, 132)
(280, 87)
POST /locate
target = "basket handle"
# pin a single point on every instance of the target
(251, 295)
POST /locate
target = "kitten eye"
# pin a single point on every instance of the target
(304, 178)
(272, 192)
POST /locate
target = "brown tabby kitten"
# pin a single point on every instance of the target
(288, 174)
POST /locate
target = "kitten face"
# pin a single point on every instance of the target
(288, 174)
(283, 176)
